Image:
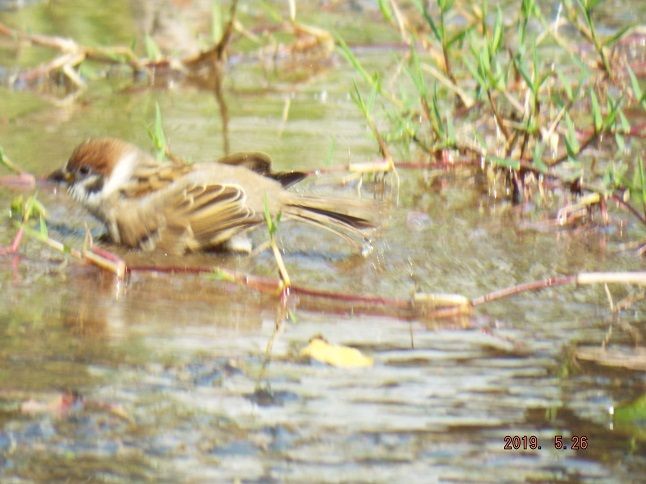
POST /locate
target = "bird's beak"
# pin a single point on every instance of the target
(61, 176)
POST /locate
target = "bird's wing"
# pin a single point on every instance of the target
(252, 160)
(206, 215)
(150, 178)
(193, 216)
(261, 164)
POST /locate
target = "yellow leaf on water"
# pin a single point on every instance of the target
(335, 355)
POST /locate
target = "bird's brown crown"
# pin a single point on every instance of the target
(98, 154)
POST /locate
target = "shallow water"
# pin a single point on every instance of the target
(175, 371)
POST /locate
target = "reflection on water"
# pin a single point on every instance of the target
(185, 356)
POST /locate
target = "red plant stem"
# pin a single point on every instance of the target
(629, 207)
(170, 269)
(635, 131)
(525, 287)
(370, 304)
(106, 254)
(13, 248)
(358, 298)
(267, 284)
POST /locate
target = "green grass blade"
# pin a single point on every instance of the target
(597, 118)
(353, 61)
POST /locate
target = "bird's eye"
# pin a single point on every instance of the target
(84, 170)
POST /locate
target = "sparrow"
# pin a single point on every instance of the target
(179, 207)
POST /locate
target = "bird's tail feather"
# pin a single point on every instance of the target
(350, 219)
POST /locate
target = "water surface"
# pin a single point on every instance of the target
(184, 357)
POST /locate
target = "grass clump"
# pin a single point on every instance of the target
(529, 98)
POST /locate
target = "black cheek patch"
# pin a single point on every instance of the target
(95, 186)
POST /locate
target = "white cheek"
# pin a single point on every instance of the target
(88, 199)
(121, 174)
(93, 200)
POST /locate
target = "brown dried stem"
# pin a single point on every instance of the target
(94, 255)
(74, 54)
(216, 54)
